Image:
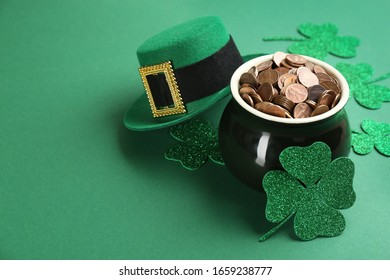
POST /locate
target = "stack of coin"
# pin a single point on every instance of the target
(289, 86)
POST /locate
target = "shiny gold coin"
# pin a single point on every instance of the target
(302, 110)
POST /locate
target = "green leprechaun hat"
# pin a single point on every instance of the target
(185, 70)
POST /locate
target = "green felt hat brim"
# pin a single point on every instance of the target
(139, 116)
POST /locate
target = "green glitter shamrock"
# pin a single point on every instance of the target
(198, 142)
(376, 134)
(319, 41)
(366, 94)
(312, 189)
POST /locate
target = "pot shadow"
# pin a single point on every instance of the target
(216, 185)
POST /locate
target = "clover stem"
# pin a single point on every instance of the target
(381, 78)
(282, 38)
(273, 230)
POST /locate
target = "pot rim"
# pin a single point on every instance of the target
(234, 86)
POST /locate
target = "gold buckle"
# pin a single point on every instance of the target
(165, 68)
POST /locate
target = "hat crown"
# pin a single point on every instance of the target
(184, 44)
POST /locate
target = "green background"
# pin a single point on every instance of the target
(75, 184)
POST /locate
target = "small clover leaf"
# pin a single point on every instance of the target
(366, 94)
(319, 40)
(197, 143)
(375, 134)
(313, 188)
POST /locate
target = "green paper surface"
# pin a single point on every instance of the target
(76, 184)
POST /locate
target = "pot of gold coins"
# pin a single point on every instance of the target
(282, 100)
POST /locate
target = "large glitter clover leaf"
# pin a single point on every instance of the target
(319, 40)
(198, 142)
(361, 85)
(376, 134)
(313, 188)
